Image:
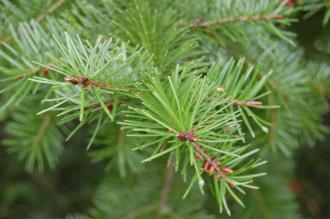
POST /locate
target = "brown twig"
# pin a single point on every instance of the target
(41, 131)
(96, 105)
(249, 103)
(225, 21)
(298, 189)
(212, 165)
(85, 81)
(121, 138)
(169, 176)
(30, 72)
(50, 10)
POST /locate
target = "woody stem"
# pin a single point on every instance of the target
(201, 153)
(165, 194)
(239, 19)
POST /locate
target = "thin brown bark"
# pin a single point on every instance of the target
(238, 19)
(165, 194)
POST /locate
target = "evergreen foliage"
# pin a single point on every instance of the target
(213, 88)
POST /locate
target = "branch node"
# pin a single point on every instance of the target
(187, 136)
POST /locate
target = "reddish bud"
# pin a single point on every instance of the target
(84, 80)
(187, 136)
(193, 139)
(288, 3)
(110, 107)
(71, 80)
(206, 165)
(181, 136)
(226, 170)
(45, 71)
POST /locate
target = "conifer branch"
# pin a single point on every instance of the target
(275, 87)
(241, 102)
(86, 82)
(30, 72)
(50, 10)
(39, 18)
(96, 105)
(224, 21)
(211, 165)
(197, 118)
(43, 127)
(271, 82)
(27, 73)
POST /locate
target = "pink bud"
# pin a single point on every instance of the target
(288, 3)
(226, 170)
(181, 136)
(253, 103)
(206, 165)
(193, 139)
